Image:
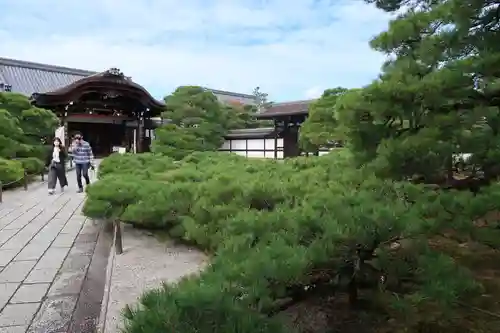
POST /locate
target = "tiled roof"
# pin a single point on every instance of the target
(28, 77)
(286, 109)
(2, 79)
(230, 93)
(229, 97)
(113, 79)
(248, 133)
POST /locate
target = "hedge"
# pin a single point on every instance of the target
(10, 171)
(284, 231)
(13, 170)
(33, 165)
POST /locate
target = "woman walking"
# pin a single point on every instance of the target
(56, 164)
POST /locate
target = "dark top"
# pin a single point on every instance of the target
(62, 156)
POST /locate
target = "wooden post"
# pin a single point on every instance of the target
(109, 226)
(140, 132)
(25, 180)
(1, 192)
(275, 139)
(43, 175)
(67, 140)
(118, 237)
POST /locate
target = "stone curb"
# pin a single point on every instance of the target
(101, 325)
(68, 169)
(38, 183)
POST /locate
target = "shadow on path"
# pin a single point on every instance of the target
(52, 262)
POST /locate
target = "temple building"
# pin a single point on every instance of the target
(114, 113)
(108, 108)
(287, 118)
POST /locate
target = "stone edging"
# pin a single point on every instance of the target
(36, 184)
(101, 325)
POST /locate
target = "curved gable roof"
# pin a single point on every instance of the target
(286, 109)
(111, 80)
(27, 77)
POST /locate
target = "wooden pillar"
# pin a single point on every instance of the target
(286, 134)
(134, 140)
(129, 138)
(140, 132)
(67, 141)
(147, 138)
(64, 123)
(290, 138)
(124, 139)
(275, 139)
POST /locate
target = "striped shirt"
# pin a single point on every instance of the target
(82, 153)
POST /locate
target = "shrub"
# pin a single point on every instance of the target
(286, 231)
(197, 122)
(23, 127)
(10, 171)
(134, 164)
(33, 165)
(201, 311)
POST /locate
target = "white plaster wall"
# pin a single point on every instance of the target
(262, 148)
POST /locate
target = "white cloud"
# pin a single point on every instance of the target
(285, 47)
(314, 92)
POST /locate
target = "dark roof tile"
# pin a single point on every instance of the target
(2, 78)
(249, 133)
(286, 109)
(28, 77)
(229, 93)
(112, 79)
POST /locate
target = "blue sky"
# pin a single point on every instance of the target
(291, 49)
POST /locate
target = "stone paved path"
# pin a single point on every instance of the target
(52, 262)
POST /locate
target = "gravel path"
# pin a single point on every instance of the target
(52, 262)
(144, 264)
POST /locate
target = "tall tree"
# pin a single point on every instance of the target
(241, 116)
(244, 116)
(26, 125)
(197, 122)
(22, 130)
(320, 128)
(437, 97)
(261, 99)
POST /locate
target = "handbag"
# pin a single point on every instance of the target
(54, 165)
(92, 172)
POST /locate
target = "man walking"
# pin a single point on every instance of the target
(82, 157)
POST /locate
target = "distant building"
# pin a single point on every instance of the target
(112, 110)
(233, 98)
(108, 108)
(28, 77)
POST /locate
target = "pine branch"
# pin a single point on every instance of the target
(486, 312)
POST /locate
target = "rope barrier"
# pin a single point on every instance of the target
(26, 177)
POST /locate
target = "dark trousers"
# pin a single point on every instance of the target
(82, 170)
(57, 172)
